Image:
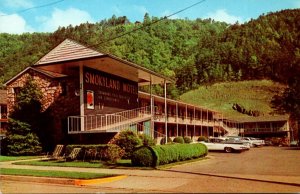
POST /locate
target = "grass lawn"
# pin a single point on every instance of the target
(80, 164)
(12, 158)
(61, 163)
(56, 174)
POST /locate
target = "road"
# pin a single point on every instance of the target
(265, 169)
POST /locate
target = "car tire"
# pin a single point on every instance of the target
(228, 149)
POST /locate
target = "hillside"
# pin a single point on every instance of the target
(252, 95)
(193, 52)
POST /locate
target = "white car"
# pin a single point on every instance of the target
(254, 142)
(225, 146)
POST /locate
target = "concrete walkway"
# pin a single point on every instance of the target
(173, 172)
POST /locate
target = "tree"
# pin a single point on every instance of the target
(20, 141)
(128, 141)
(28, 104)
(26, 117)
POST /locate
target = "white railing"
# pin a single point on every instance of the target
(115, 121)
(231, 131)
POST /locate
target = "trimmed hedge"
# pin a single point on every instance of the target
(101, 148)
(178, 139)
(163, 141)
(187, 139)
(164, 154)
(202, 138)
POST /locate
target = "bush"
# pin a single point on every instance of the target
(100, 148)
(164, 154)
(187, 139)
(143, 156)
(128, 141)
(178, 139)
(147, 140)
(202, 138)
(20, 141)
(106, 152)
(113, 153)
(163, 141)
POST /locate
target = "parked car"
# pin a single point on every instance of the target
(215, 144)
(253, 142)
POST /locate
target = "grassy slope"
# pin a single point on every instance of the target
(254, 95)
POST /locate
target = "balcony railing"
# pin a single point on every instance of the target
(160, 117)
(108, 122)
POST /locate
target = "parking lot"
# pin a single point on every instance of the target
(264, 169)
(257, 161)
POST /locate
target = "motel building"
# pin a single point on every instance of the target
(89, 97)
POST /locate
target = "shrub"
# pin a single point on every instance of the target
(163, 141)
(164, 154)
(113, 153)
(100, 148)
(20, 141)
(143, 156)
(187, 139)
(202, 138)
(178, 139)
(128, 141)
(107, 152)
(147, 140)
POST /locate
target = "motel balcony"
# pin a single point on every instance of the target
(266, 130)
(173, 119)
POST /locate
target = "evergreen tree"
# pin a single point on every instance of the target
(20, 140)
(24, 126)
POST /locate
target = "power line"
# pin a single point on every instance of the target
(140, 28)
(147, 25)
(35, 7)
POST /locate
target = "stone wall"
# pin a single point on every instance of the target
(59, 101)
(50, 89)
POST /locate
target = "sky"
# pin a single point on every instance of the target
(19, 16)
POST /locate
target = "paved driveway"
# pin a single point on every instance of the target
(265, 169)
(257, 161)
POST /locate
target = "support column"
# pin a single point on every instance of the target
(166, 119)
(194, 121)
(186, 130)
(151, 109)
(81, 93)
(177, 118)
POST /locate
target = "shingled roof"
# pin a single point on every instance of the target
(66, 51)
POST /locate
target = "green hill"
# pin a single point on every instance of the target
(193, 52)
(252, 95)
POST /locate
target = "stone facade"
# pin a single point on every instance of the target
(59, 100)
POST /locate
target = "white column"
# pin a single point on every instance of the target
(166, 119)
(151, 109)
(177, 118)
(81, 92)
(186, 130)
(194, 122)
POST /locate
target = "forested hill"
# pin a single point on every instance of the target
(194, 52)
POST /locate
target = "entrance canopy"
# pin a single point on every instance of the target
(70, 54)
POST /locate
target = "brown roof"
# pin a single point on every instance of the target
(3, 97)
(66, 51)
(49, 73)
(45, 72)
